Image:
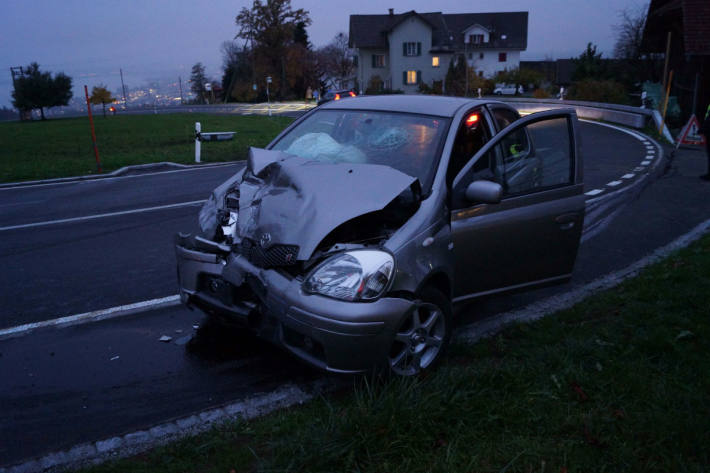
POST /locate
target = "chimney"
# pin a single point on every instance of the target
(391, 11)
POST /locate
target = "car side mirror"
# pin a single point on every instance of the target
(487, 192)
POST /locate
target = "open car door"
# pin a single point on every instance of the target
(518, 207)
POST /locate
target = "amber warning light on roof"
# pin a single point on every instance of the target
(472, 120)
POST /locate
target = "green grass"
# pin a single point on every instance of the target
(62, 147)
(618, 383)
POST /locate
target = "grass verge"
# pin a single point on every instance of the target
(617, 383)
(62, 147)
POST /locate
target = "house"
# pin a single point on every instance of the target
(399, 51)
(682, 27)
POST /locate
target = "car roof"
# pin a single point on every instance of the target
(421, 104)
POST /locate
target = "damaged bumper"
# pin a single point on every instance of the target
(333, 335)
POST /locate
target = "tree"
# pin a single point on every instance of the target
(101, 95)
(37, 89)
(268, 29)
(238, 73)
(589, 65)
(198, 81)
(335, 60)
(633, 65)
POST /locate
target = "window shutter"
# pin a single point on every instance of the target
(404, 49)
(404, 77)
(419, 49)
(419, 77)
(373, 61)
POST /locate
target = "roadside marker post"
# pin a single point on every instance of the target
(198, 129)
(211, 136)
(93, 133)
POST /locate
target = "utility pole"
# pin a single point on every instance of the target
(182, 101)
(123, 88)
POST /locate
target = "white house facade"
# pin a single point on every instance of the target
(400, 51)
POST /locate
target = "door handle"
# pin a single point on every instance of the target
(567, 221)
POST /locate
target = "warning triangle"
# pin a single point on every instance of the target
(691, 133)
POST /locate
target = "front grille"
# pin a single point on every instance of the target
(272, 257)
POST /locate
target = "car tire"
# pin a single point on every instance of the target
(423, 335)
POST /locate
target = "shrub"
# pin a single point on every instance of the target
(541, 94)
(591, 90)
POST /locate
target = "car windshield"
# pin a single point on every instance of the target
(409, 143)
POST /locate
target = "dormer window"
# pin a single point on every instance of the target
(475, 38)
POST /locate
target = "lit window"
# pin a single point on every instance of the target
(411, 77)
(435, 61)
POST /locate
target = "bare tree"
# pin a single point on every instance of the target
(629, 33)
(335, 60)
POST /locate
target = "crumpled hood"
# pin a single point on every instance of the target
(288, 200)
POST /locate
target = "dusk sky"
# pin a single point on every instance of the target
(162, 39)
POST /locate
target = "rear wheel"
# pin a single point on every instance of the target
(423, 336)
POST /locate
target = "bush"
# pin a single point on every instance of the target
(541, 94)
(591, 90)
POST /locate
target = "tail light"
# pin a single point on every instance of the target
(337, 97)
(352, 94)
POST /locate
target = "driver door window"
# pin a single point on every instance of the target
(527, 159)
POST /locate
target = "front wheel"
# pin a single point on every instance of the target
(423, 336)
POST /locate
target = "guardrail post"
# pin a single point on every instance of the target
(198, 129)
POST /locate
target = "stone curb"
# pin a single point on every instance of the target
(133, 443)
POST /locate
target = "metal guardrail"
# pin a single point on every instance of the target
(626, 115)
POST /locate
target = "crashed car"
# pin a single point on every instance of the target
(349, 237)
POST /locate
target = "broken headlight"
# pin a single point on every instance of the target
(359, 275)
(208, 216)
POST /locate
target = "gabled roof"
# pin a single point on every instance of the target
(370, 31)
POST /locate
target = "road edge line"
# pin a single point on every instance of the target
(93, 316)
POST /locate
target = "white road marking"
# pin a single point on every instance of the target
(628, 176)
(639, 169)
(83, 179)
(92, 316)
(645, 163)
(92, 217)
(594, 192)
(613, 183)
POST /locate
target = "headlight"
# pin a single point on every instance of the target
(360, 275)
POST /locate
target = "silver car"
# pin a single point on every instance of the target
(349, 237)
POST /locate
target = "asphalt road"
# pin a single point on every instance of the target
(114, 376)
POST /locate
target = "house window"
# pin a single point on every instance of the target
(435, 61)
(480, 73)
(475, 38)
(411, 49)
(480, 56)
(378, 60)
(411, 77)
(502, 57)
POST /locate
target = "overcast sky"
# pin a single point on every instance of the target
(161, 39)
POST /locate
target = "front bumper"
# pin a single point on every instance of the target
(333, 335)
